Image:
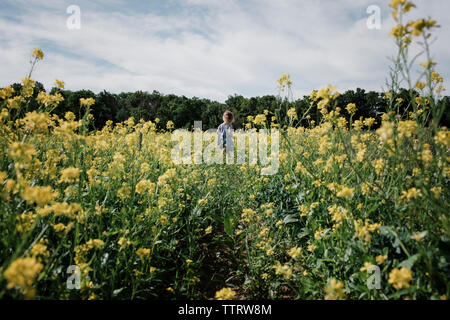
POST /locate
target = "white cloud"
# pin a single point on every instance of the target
(208, 48)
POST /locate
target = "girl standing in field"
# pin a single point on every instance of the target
(224, 132)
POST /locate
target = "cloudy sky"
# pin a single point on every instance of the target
(207, 48)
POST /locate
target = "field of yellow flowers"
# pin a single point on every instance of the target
(352, 213)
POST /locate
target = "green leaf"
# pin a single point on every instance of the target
(348, 253)
(229, 226)
(408, 263)
(302, 234)
(290, 218)
(385, 230)
(373, 209)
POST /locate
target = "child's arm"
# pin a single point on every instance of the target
(230, 131)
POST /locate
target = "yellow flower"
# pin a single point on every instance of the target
(334, 290)
(25, 221)
(59, 84)
(407, 128)
(144, 186)
(39, 195)
(369, 122)
(247, 214)
(284, 81)
(418, 236)
(338, 213)
(167, 176)
(164, 220)
(311, 247)
(95, 243)
(87, 285)
(292, 114)
(400, 278)
(362, 231)
(443, 137)
(38, 54)
(208, 230)
(13, 103)
(264, 232)
(358, 125)
(49, 99)
(143, 253)
(381, 259)
(378, 164)
(21, 151)
(170, 125)
(6, 92)
(428, 64)
(420, 25)
(39, 250)
(395, 3)
(260, 119)
(436, 192)
(411, 193)
(28, 87)
(59, 227)
(388, 95)
(427, 156)
(437, 78)
(124, 192)
(408, 6)
(439, 89)
(22, 273)
(351, 108)
(36, 122)
(87, 102)
(284, 270)
(70, 174)
(345, 192)
(366, 266)
(124, 242)
(225, 294)
(386, 131)
(295, 252)
(3, 176)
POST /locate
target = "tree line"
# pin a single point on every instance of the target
(183, 111)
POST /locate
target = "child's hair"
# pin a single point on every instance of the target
(228, 115)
